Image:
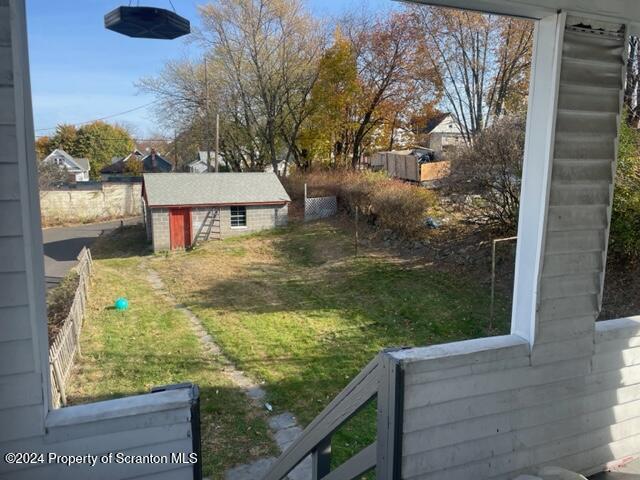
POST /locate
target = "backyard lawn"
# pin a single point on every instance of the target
(295, 310)
(125, 353)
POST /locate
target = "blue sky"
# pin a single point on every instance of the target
(80, 71)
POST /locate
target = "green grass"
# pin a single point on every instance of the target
(296, 310)
(151, 344)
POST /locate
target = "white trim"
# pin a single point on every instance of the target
(614, 11)
(538, 158)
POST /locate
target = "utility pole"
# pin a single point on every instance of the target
(207, 119)
(217, 140)
(175, 148)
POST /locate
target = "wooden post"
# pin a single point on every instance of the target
(321, 459)
(207, 116)
(356, 239)
(59, 381)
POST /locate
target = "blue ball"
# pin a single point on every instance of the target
(121, 304)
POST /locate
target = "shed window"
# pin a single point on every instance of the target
(238, 216)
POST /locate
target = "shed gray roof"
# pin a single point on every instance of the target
(165, 189)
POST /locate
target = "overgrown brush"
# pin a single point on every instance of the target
(625, 219)
(59, 301)
(387, 203)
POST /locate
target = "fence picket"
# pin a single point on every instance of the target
(66, 346)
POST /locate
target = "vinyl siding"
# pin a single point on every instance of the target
(156, 423)
(21, 390)
(498, 418)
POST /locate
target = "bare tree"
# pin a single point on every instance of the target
(261, 58)
(488, 173)
(51, 176)
(632, 89)
(266, 52)
(481, 62)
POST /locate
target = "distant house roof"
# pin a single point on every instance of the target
(213, 189)
(435, 121)
(73, 164)
(202, 159)
(149, 164)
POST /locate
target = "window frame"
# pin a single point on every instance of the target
(239, 216)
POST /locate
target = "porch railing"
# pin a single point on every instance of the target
(382, 379)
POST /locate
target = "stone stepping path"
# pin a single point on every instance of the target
(284, 427)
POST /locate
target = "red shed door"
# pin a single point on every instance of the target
(180, 227)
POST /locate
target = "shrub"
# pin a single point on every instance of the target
(488, 173)
(388, 203)
(51, 176)
(625, 220)
(59, 301)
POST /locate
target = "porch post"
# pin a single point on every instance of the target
(538, 157)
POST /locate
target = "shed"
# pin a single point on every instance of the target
(182, 209)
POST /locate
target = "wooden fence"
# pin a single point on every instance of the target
(66, 345)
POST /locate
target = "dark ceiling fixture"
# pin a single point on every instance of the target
(147, 22)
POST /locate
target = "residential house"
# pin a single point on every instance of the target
(151, 163)
(444, 134)
(181, 209)
(77, 168)
(200, 165)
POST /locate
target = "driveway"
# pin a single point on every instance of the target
(63, 244)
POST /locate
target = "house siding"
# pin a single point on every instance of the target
(486, 413)
(158, 424)
(22, 401)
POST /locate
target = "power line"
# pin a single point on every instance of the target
(103, 118)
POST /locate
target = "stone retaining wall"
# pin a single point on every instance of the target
(96, 202)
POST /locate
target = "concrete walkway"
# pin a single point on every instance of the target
(284, 427)
(63, 244)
